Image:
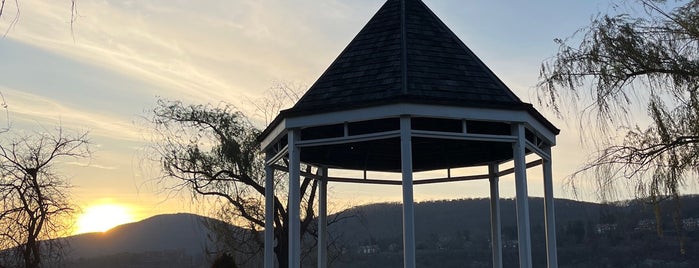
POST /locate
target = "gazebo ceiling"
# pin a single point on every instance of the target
(428, 154)
(405, 55)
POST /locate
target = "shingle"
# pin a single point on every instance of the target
(438, 66)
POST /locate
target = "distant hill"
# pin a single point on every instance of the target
(160, 241)
(158, 233)
(452, 233)
(450, 217)
(456, 233)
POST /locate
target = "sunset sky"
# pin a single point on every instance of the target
(123, 55)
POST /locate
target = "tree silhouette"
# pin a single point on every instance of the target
(224, 261)
(15, 6)
(653, 59)
(212, 151)
(35, 200)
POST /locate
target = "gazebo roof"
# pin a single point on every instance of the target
(405, 55)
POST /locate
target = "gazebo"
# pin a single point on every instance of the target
(406, 95)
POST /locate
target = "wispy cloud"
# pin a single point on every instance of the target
(224, 50)
(28, 107)
(92, 165)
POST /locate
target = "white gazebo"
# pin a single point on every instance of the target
(406, 95)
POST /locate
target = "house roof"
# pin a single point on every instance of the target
(406, 54)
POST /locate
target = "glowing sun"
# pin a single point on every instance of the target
(100, 218)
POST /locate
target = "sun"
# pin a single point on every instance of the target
(100, 218)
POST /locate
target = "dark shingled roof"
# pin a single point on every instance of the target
(408, 56)
(405, 54)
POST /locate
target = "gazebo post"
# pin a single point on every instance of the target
(495, 225)
(550, 216)
(294, 199)
(269, 213)
(522, 202)
(323, 218)
(408, 204)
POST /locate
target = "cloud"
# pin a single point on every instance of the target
(208, 51)
(27, 107)
(92, 165)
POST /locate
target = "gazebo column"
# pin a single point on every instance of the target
(408, 204)
(269, 213)
(294, 199)
(323, 218)
(550, 215)
(522, 197)
(495, 225)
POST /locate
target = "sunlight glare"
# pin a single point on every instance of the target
(100, 218)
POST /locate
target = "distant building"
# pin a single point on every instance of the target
(645, 225)
(510, 244)
(368, 249)
(603, 228)
(690, 224)
(443, 242)
(393, 247)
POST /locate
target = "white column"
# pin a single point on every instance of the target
(495, 226)
(269, 213)
(550, 216)
(323, 218)
(522, 202)
(294, 200)
(408, 205)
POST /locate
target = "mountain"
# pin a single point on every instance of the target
(158, 233)
(449, 233)
(449, 217)
(160, 241)
(456, 233)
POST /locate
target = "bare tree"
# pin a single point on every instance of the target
(622, 60)
(17, 13)
(3, 107)
(213, 151)
(35, 204)
(278, 97)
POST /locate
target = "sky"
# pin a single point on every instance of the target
(105, 73)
